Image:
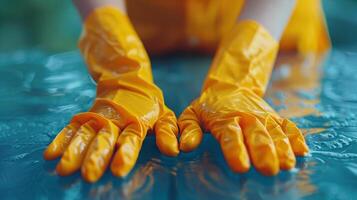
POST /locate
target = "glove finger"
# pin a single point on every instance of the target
(99, 153)
(191, 132)
(231, 140)
(260, 145)
(61, 141)
(282, 145)
(73, 156)
(166, 131)
(129, 145)
(296, 138)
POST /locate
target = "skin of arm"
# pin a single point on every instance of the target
(84, 7)
(272, 14)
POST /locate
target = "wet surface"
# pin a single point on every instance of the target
(39, 93)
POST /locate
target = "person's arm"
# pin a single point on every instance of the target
(306, 32)
(85, 7)
(272, 14)
(231, 106)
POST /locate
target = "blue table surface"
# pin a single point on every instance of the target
(40, 93)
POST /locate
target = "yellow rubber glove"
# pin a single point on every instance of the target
(232, 109)
(306, 31)
(127, 106)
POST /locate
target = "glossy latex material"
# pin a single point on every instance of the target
(306, 32)
(200, 24)
(232, 109)
(127, 106)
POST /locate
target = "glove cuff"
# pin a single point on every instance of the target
(111, 47)
(244, 59)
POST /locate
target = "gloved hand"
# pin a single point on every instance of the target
(232, 109)
(127, 106)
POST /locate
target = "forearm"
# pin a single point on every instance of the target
(114, 53)
(85, 7)
(272, 15)
(244, 59)
(247, 54)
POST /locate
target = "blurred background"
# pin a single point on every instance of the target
(51, 25)
(54, 26)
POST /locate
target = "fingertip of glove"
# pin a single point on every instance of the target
(168, 146)
(288, 164)
(90, 176)
(301, 148)
(172, 151)
(267, 163)
(91, 172)
(242, 168)
(123, 161)
(269, 170)
(187, 146)
(118, 171)
(48, 155)
(190, 140)
(63, 169)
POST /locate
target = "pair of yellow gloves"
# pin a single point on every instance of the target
(129, 105)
